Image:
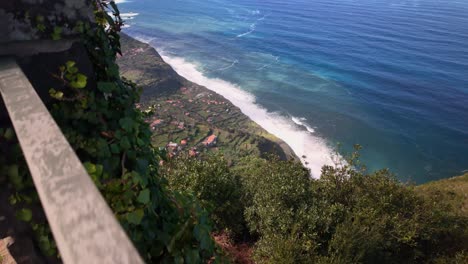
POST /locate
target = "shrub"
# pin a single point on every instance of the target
(278, 196)
(211, 181)
(346, 216)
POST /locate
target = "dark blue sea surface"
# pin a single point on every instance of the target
(390, 75)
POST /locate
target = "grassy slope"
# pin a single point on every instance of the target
(452, 191)
(202, 111)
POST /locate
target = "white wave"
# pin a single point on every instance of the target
(252, 29)
(268, 64)
(254, 12)
(228, 67)
(144, 39)
(313, 150)
(300, 121)
(129, 15)
(263, 17)
(121, 1)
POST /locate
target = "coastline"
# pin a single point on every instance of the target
(189, 112)
(289, 132)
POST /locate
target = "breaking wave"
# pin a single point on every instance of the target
(312, 150)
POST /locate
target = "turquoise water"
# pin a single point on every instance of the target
(389, 75)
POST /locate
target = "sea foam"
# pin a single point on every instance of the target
(252, 29)
(312, 150)
(301, 122)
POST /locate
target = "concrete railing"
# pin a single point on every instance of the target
(84, 227)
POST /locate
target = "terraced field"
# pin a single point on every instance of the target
(186, 113)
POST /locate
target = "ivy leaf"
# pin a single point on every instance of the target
(55, 94)
(99, 170)
(192, 256)
(70, 64)
(90, 167)
(144, 196)
(15, 178)
(126, 123)
(124, 143)
(13, 199)
(80, 81)
(9, 134)
(137, 178)
(24, 215)
(46, 246)
(58, 95)
(140, 142)
(135, 217)
(57, 33)
(113, 70)
(73, 70)
(106, 87)
(114, 148)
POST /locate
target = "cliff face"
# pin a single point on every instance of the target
(187, 113)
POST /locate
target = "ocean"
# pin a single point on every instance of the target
(390, 75)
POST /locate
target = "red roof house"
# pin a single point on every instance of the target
(210, 141)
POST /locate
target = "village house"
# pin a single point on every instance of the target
(172, 145)
(210, 141)
(155, 123)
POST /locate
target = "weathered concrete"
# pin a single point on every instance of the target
(23, 21)
(83, 226)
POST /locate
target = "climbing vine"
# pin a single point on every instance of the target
(97, 115)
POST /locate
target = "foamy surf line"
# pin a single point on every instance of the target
(312, 150)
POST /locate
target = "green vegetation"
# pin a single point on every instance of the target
(97, 114)
(209, 180)
(170, 212)
(451, 192)
(346, 216)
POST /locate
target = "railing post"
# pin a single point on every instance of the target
(84, 227)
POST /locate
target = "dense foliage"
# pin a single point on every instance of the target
(346, 216)
(97, 114)
(209, 180)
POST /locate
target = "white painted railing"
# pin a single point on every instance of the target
(83, 225)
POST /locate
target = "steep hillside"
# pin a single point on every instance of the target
(187, 114)
(453, 192)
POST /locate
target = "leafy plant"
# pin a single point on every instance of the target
(210, 180)
(97, 114)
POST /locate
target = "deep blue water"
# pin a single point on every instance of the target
(391, 75)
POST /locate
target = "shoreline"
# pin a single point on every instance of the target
(311, 150)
